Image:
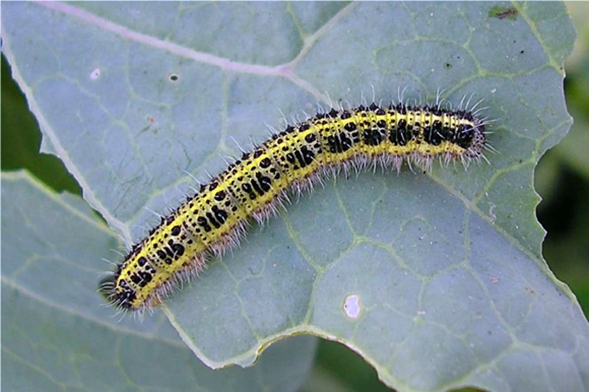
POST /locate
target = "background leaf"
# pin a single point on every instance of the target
(57, 333)
(447, 267)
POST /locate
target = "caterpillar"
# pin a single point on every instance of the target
(292, 161)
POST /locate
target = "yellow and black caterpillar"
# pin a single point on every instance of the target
(215, 219)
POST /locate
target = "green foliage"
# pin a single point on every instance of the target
(447, 265)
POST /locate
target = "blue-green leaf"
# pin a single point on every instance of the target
(436, 279)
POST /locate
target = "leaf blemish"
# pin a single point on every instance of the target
(352, 306)
(95, 74)
(500, 12)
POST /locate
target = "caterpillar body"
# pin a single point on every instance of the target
(256, 185)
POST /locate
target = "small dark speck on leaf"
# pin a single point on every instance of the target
(530, 290)
(174, 77)
(501, 12)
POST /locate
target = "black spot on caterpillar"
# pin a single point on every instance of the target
(257, 184)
